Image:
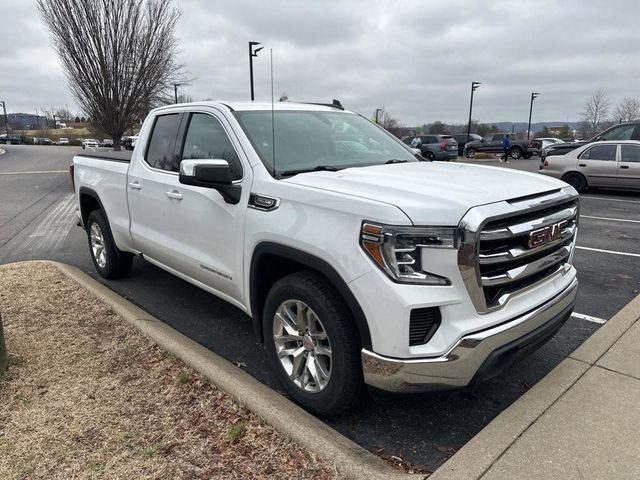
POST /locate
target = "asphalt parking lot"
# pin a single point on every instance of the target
(37, 221)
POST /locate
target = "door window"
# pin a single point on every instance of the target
(162, 142)
(601, 152)
(623, 132)
(207, 139)
(630, 153)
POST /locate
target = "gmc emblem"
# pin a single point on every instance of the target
(546, 234)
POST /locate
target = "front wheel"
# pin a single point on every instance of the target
(576, 180)
(471, 152)
(312, 343)
(109, 261)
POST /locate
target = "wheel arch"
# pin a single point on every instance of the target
(89, 201)
(264, 273)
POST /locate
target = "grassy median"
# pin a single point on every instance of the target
(87, 396)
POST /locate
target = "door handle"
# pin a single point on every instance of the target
(175, 195)
(135, 186)
(582, 164)
(624, 166)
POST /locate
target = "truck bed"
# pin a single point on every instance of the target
(121, 156)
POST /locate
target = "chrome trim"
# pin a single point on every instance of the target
(471, 227)
(527, 270)
(524, 227)
(459, 365)
(188, 167)
(519, 253)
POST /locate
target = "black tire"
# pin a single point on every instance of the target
(515, 153)
(527, 156)
(471, 152)
(116, 263)
(345, 384)
(430, 156)
(576, 180)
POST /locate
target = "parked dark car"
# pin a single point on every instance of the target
(623, 131)
(493, 144)
(435, 147)
(11, 140)
(462, 140)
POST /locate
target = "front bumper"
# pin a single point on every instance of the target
(475, 357)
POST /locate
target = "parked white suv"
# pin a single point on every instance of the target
(358, 262)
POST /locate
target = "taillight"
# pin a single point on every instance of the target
(545, 164)
(530, 144)
(73, 180)
(443, 146)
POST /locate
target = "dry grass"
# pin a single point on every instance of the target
(87, 396)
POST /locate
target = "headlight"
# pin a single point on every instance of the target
(397, 250)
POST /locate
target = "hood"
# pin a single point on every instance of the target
(430, 193)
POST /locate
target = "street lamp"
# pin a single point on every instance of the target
(474, 85)
(253, 52)
(6, 122)
(533, 95)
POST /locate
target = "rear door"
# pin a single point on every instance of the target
(629, 166)
(147, 182)
(598, 163)
(494, 144)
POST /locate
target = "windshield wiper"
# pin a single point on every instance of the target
(395, 160)
(319, 168)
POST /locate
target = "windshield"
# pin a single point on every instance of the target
(306, 141)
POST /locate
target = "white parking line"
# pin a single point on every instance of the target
(588, 318)
(608, 199)
(610, 219)
(609, 251)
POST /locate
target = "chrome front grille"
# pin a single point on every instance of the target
(511, 245)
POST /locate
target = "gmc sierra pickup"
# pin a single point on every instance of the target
(358, 261)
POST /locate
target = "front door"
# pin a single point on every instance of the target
(629, 166)
(204, 232)
(599, 165)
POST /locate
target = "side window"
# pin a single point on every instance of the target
(206, 139)
(162, 142)
(600, 152)
(630, 153)
(619, 133)
(425, 139)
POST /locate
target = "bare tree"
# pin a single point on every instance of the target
(386, 121)
(596, 111)
(627, 111)
(119, 56)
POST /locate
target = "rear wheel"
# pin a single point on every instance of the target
(515, 153)
(576, 180)
(471, 152)
(109, 261)
(312, 343)
(430, 155)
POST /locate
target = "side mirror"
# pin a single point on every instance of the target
(599, 139)
(214, 174)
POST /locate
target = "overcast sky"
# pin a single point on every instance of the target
(416, 58)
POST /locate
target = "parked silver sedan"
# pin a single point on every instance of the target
(612, 164)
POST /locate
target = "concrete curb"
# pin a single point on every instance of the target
(474, 459)
(351, 460)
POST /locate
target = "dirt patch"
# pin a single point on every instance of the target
(87, 396)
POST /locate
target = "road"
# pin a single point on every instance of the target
(37, 222)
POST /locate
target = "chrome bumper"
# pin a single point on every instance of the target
(477, 356)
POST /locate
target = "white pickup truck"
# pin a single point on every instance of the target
(358, 261)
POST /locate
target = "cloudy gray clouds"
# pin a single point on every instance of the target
(416, 58)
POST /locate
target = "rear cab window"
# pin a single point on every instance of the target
(160, 150)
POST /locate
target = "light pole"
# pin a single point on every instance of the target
(6, 122)
(533, 95)
(253, 52)
(378, 110)
(474, 85)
